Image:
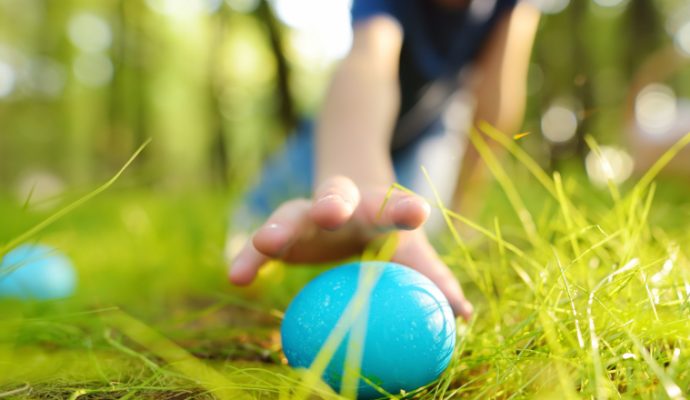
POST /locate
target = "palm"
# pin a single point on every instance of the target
(339, 223)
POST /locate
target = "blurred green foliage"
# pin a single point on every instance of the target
(217, 85)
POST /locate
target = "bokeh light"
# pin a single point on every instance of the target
(249, 63)
(611, 164)
(94, 70)
(184, 8)
(668, 265)
(609, 3)
(682, 39)
(656, 109)
(609, 8)
(559, 123)
(89, 32)
(8, 78)
(39, 188)
(322, 29)
(551, 6)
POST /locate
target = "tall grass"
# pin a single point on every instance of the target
(578, 293)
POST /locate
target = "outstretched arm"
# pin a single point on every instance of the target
(353, 172)
(361, 106)
(503, 65)
(500, 83)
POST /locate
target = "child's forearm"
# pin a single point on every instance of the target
(500, 88)
(355, 126)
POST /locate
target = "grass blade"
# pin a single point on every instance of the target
(72, 206)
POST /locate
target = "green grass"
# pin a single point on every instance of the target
(579, 292)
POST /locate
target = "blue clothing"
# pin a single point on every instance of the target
(437, 44)
(289, 174)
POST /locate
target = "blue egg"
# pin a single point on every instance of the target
(410, 328)
(36, 272)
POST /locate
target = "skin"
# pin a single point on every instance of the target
(356, 123)
(500, 90)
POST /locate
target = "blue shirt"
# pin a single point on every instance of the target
(437, 43)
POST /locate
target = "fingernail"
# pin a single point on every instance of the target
(409, 201)
(272, 239)
(405, 206)
(330, 197)
(273, 229)
(427, 207)
(335, 198)
(272, 226)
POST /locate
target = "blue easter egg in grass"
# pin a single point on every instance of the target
(37, 272)
(400, 321)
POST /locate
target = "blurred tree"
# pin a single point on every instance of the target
(286, 106)
(217, 86)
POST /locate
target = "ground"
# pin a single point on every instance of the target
(579, 291)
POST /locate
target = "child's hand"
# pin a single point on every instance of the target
(338, 223)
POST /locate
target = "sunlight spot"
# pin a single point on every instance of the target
(89, 32)
(682, 39)
(306, 14)
(322, 28)
(8, 79)
(595, 342)
(319, 49)
(676, 355)
(674, 391)
(609, 3)
(184, 8)
(668, 265)
(543, 275)
(609, 8)
(614, 164)
(551, 6)
(656, 109)
(249, 63)
(559, 123)
(95, 70)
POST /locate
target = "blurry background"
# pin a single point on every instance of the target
(218, 84)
